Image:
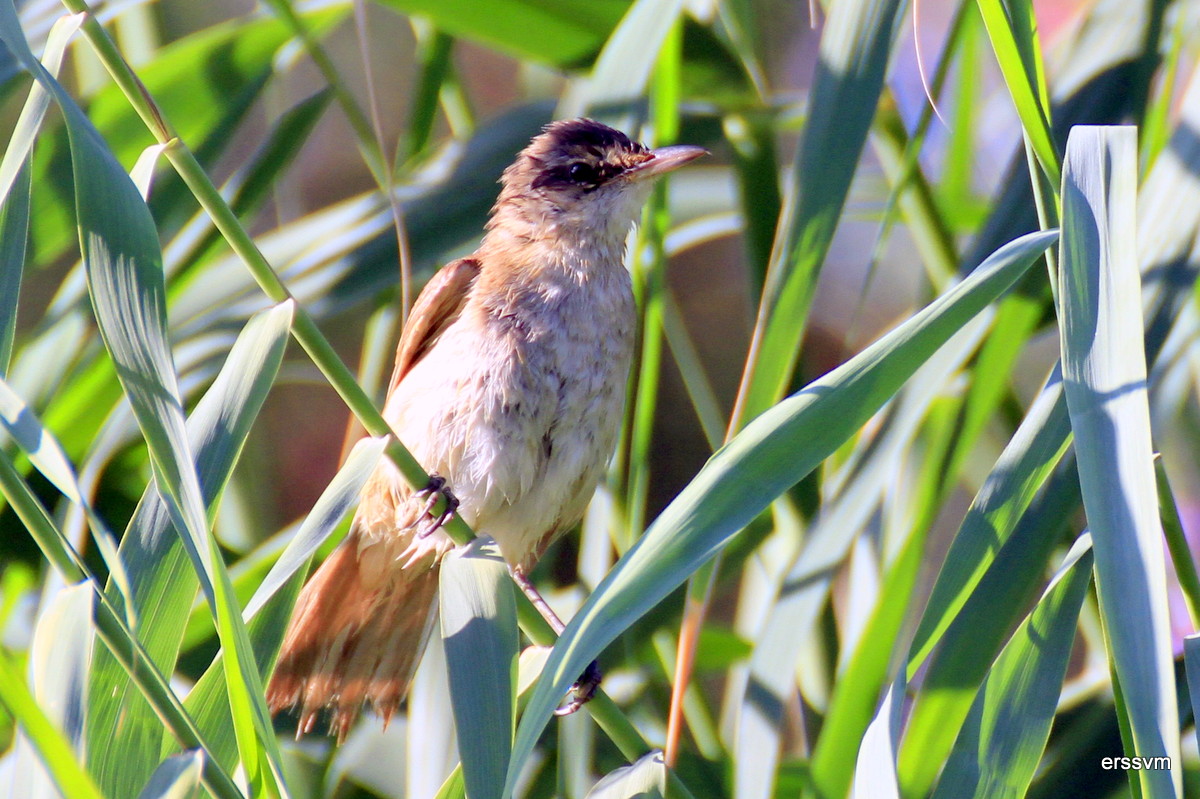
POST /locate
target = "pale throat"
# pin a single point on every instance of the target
(564, 247)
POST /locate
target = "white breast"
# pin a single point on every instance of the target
(519, 405)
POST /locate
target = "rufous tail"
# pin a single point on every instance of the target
(356, 635)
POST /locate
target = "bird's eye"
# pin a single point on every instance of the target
(582, 173)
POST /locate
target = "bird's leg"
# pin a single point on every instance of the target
(585, 687)
(435, 489)
(582, 691)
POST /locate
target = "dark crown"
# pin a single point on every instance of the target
(576, 153)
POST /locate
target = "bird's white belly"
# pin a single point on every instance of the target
(528, 427)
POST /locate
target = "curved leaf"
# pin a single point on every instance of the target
(803, 592)
(334, 502)
(645, 779)
(855, 47)
(875, 766)
(127, 738)
(16, 184)
(177, 778)
(1002, 742)
(774, 452)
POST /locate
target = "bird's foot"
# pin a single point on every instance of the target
(582, 691)
(435, 490)
(585, 687)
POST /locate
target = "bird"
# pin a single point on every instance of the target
(508, 388)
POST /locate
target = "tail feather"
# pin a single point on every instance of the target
(356, 636)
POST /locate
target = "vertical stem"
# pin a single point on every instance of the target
(650, 285)
(1045, 197)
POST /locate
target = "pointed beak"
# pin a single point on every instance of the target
(665, 159)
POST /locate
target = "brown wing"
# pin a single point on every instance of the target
(439, 304)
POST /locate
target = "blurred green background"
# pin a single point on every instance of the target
(867, 155)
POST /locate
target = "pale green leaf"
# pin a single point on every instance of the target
(433, 754)
(1104, 374)
(177, 778)
(34, 111)
(1023, 466)
(268, 611)
(1013, 32)
(123, 264)
(774, 452)
(126, 737)
(15, 185)
(142, 173)
(453, 787)
(645, 779)
(1001, 743)
(50, 752)
(804, 590)
(875, 767)
(14, 235)
(1191, 661)
(337, 498)
(855, 47)
(621, 74)
(555, 31)
(48, 457)
(971, 642)
(479, 631)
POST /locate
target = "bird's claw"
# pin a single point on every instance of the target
(582, 691)
(436, 489)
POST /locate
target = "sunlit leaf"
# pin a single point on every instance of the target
(645, 779)
(1001, 743)
(1104, 374)
(479, 631)
(559, 32)
(177, 778)
(774, 452)
(59, 662)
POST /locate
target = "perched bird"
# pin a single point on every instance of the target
(509, 384)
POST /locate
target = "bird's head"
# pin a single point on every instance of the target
(580, 178)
